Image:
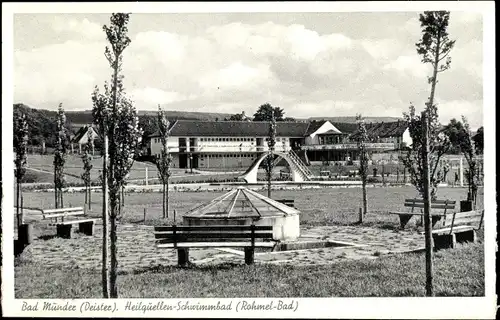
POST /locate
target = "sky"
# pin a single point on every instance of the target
(310, 64)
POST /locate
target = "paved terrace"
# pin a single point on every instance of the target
(136, 249)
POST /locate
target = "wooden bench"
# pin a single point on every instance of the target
(352, 173)
(457, 226)
(288, 202)
(436, 207)
(182, 238)
(65, 218)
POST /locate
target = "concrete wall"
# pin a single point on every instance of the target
(221, 160)
(284, 228)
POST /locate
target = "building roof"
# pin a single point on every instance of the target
(314, 126)
(241, 202)
(193, 128)
(331, 131)
(81, 133)
(384, 129)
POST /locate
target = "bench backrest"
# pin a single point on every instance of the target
(175, 234)
(288, 202)
(62, 213)
(445, 205)
(466, 218)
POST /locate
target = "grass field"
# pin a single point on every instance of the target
(324, 206)
(458, 272)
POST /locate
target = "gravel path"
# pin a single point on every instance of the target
(136, 249)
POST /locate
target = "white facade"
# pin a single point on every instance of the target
(406, 137)
(172, 144)
(220, 144)
(313, 137)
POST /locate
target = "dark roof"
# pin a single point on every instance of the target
(346, 127)
(188, 128)
(384, 129)
(313, 126)
(81, 133)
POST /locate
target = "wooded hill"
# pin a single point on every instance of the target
(42, 122)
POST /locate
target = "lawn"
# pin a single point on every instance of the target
(323, 206)
(457, 272)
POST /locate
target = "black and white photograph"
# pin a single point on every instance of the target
(266, 159)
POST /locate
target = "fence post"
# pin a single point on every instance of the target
(144, 214)
(146, 175)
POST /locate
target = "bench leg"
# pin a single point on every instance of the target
(183, 257)
(467, 236)
(444, 241)
(435, 220)
(64, 231)
(403, 219)
(249, 255)
(86, 228)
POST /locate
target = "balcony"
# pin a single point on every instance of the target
(350, 146)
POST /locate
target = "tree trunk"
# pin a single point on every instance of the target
(427, 208)
(113, 247)
(55, 189)
(90, 195)
(167, 197)
(163, 200)
(86, 193)
(269, 171)
(435, 71)
(105, 217)
(18, 196)
(365, 204)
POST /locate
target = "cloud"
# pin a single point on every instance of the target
(153, 96)
(409, 64)
(238, 66)
(85, 28)
(472, 110)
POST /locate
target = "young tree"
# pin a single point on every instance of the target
(434, 48)
(435, 45)
(60, 156)
(456, 133)
(118, 122)
(20, 148)
(479, 140)
(469, 151)
(266, 112)
(164, 161)
(429, 143)
(362, 139)
(87, 167)
(439, 144)
(270, 158)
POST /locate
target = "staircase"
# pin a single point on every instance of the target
(296, 165)
(302, 168)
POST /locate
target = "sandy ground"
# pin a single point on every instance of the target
(137, 250)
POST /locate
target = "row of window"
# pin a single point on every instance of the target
(158, 140)
(235, 139)
(227, 155)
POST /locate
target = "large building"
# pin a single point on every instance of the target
(226, 144)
